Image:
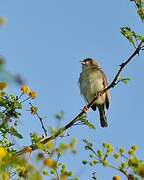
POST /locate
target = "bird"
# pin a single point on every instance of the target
(92, 81)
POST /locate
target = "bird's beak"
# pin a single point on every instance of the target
(82, 62)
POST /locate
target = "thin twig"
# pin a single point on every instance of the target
(77, 118)
(41, 121)
(42, 124)
(25, 100)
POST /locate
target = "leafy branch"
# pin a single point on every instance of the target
(140, 8)
(123, 161)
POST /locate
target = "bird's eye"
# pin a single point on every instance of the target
(90, 62)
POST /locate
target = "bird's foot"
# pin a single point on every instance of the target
(98, 94)
(85, 109)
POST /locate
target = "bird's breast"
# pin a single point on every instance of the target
(90, 84)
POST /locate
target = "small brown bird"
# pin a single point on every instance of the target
(93, 80)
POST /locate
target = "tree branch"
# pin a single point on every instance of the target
(77, 118)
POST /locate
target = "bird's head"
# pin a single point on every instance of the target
(89, 63)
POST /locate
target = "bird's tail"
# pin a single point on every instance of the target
(103, 118)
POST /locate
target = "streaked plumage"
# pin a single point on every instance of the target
(93, 80)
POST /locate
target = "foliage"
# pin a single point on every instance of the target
(120, 160)
(140, 8)
(132, 37)
(13, 165)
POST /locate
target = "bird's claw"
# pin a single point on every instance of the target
(85, 109)
(98, 94)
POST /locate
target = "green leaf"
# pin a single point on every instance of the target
(35, 138)
(84, 120)
(140, 12)
(2, 115)
(84, 162)
(45, 173)
(15, 133)
(140, 8)
(88, 144)
(124, 80)
(129, 34)
(139, 37)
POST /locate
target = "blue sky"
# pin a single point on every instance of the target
(45, 40)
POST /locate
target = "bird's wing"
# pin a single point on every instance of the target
(80, 82)
(105, 83)
(82, 86)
